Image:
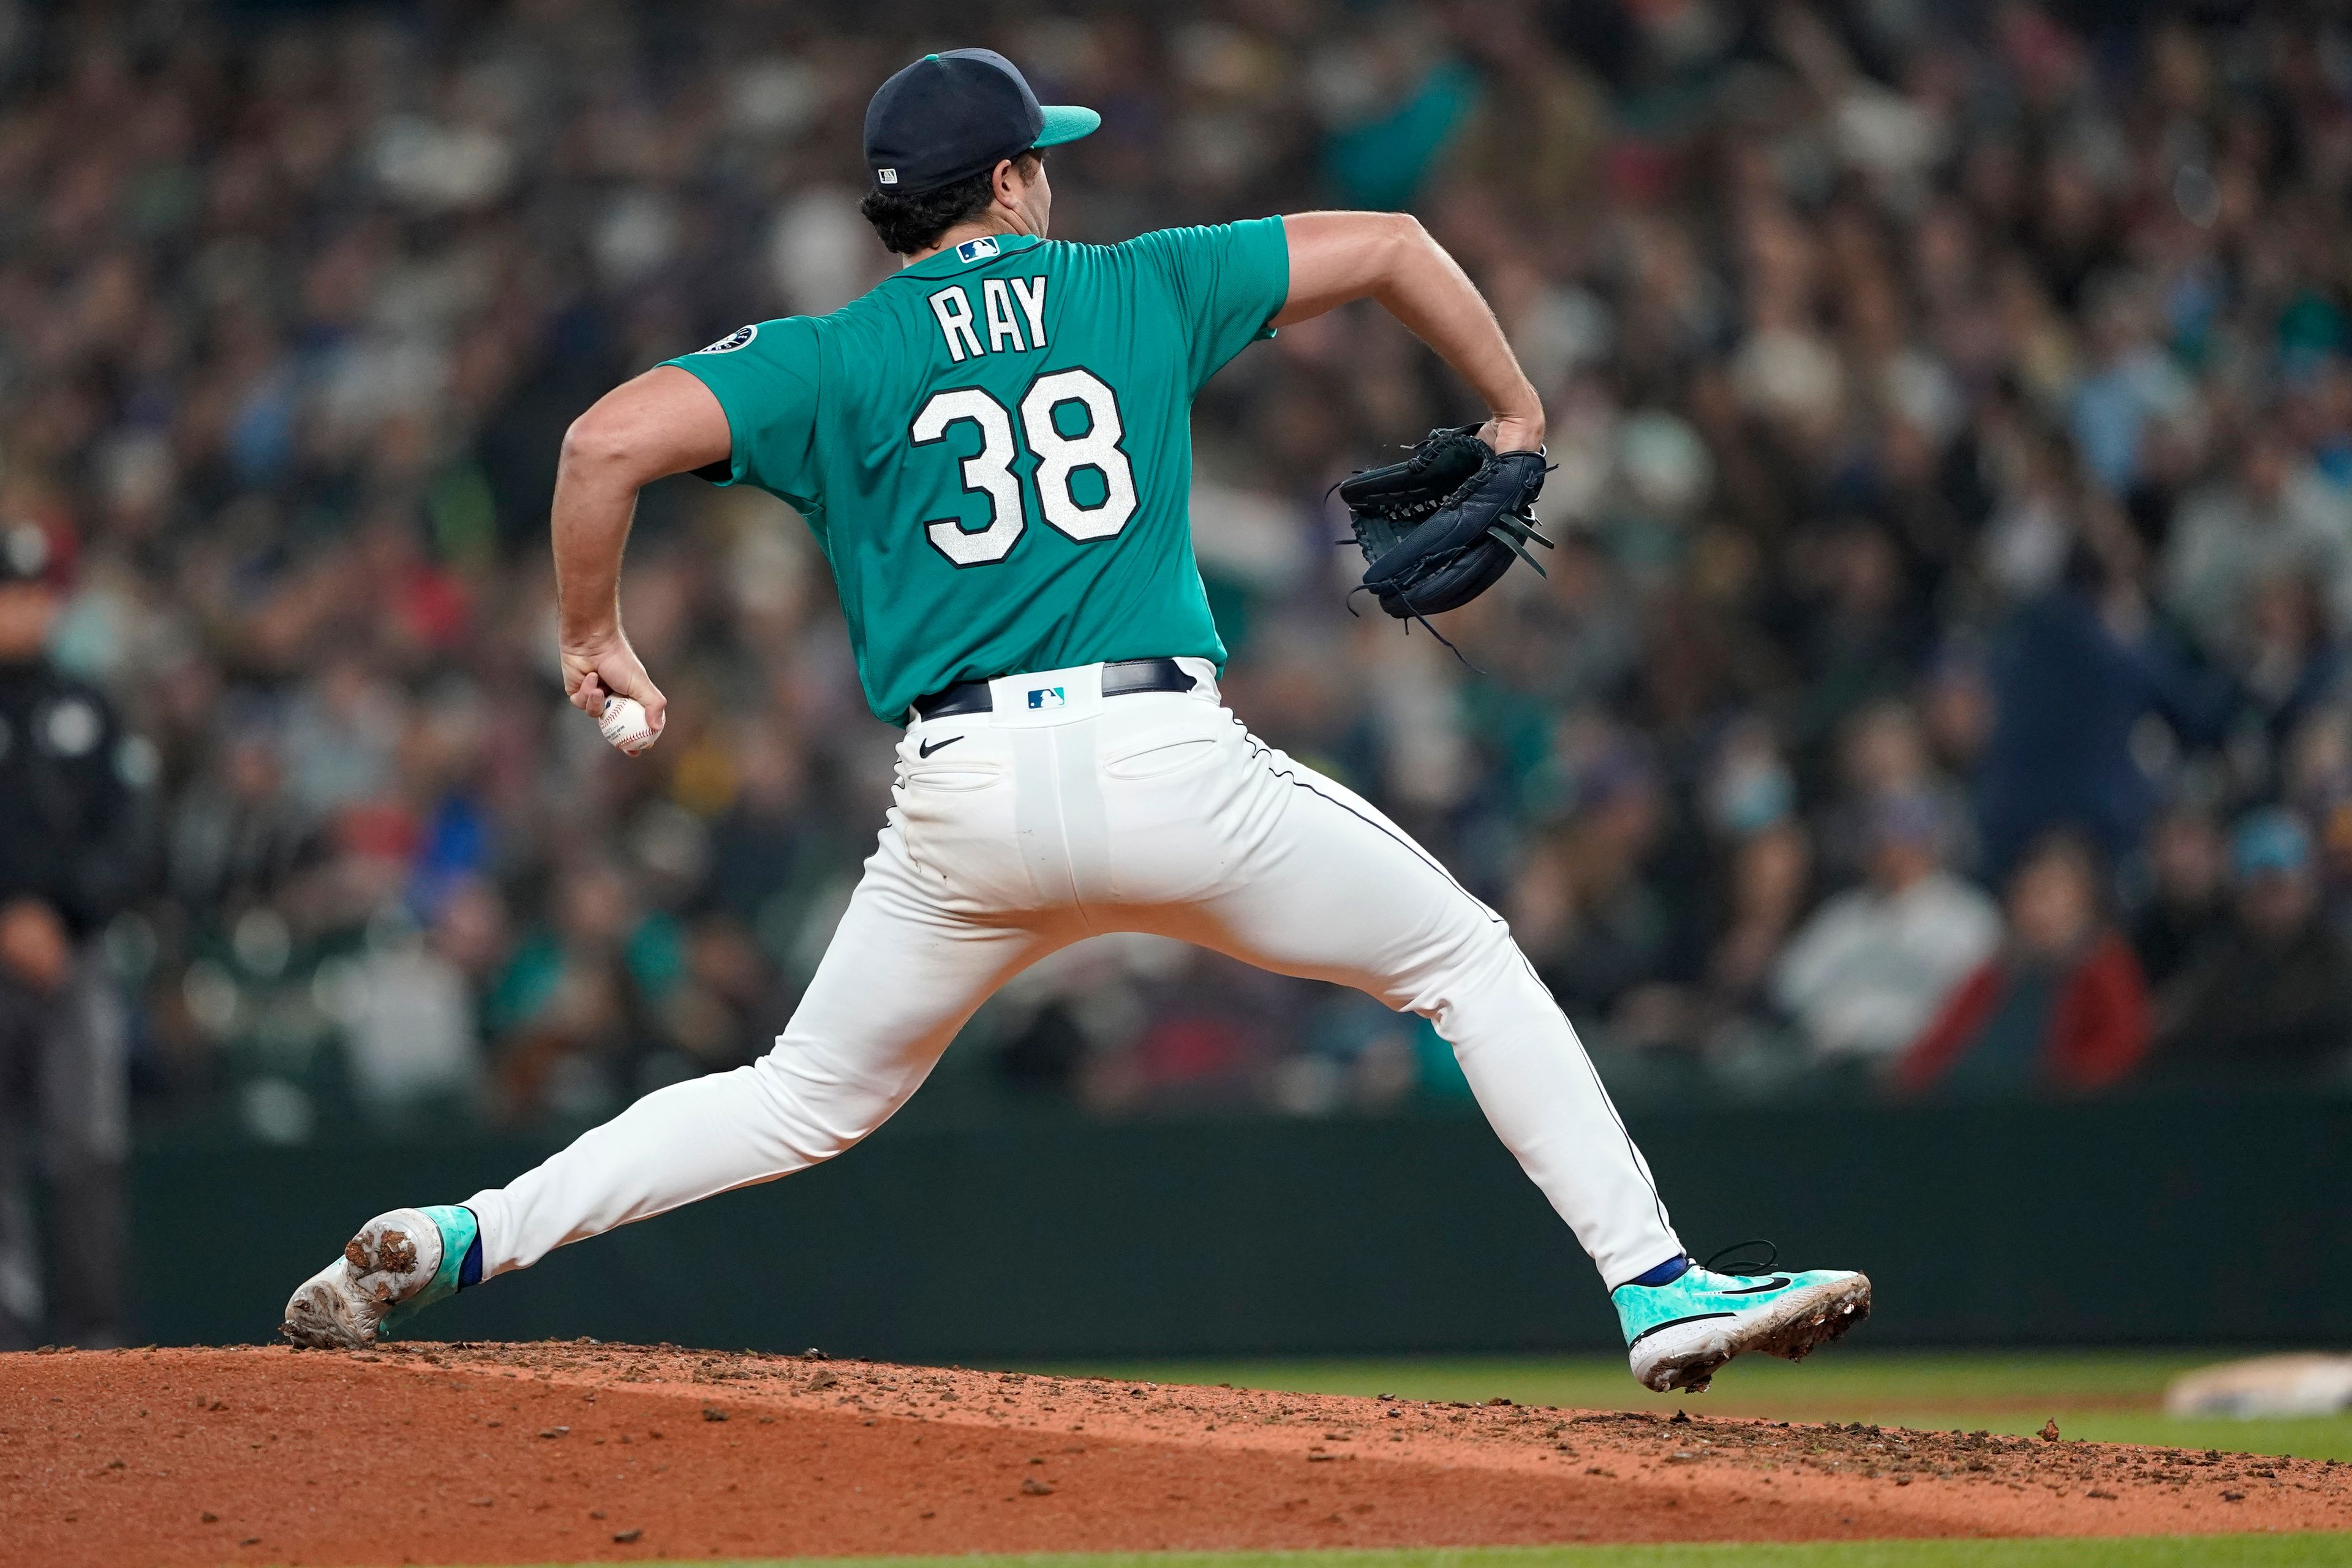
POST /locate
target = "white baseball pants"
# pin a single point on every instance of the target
(1017, 832)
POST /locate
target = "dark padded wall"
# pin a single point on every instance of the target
(2130, 1222)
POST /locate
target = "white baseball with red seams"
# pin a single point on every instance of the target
(1018, 831)
(625, 724)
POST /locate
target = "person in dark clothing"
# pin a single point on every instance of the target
(2188, 897)
(2270, 996)
(2073, 676)
(2061, 1007)
(74, 857)
(2073, 671)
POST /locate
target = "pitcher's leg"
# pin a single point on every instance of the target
(900, 978)
(1331, 889)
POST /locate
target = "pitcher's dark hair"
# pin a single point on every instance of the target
(909, 223)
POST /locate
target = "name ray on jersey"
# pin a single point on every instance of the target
(951, 306)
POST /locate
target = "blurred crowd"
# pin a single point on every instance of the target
(1939, 685)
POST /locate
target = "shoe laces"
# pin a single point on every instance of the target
(1714, 1265)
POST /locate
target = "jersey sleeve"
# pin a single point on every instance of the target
(765, 378)
(1228, 281)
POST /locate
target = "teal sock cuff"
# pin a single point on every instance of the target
(458, 1229)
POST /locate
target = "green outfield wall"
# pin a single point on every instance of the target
(2156, 1222)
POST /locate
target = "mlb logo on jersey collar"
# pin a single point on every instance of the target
(1047, 696)
(979, 249)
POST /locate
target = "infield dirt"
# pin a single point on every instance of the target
(457, 1454)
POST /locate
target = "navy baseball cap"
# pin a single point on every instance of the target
(951, 116)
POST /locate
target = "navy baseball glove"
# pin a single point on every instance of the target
(1441, 527)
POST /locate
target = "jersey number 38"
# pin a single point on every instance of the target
(989, 471)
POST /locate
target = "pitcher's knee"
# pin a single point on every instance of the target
(1476, 964)
(817, 1107)
(1488, 952)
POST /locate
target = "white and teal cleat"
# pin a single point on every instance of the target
(399, 1264)
(1681, 1329)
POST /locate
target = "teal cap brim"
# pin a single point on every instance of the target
(1066, 122)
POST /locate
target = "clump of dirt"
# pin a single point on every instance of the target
(395, 1252)
(573, 1452)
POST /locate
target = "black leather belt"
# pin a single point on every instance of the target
(1120, 678)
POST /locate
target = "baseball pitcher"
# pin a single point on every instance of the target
(993, 447)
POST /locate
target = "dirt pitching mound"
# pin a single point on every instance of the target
(514, 1454)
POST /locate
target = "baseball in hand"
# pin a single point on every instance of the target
(624, 725)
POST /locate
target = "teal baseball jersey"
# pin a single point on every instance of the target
(993, 447)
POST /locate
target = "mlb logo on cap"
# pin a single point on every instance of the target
(976, 249)
(1045, 697)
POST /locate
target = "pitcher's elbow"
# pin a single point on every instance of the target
(1402, 234)
(599, 441)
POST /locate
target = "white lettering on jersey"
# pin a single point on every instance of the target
(1001, 329)
(954, 312)
(961, 329)
(1031, 292)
